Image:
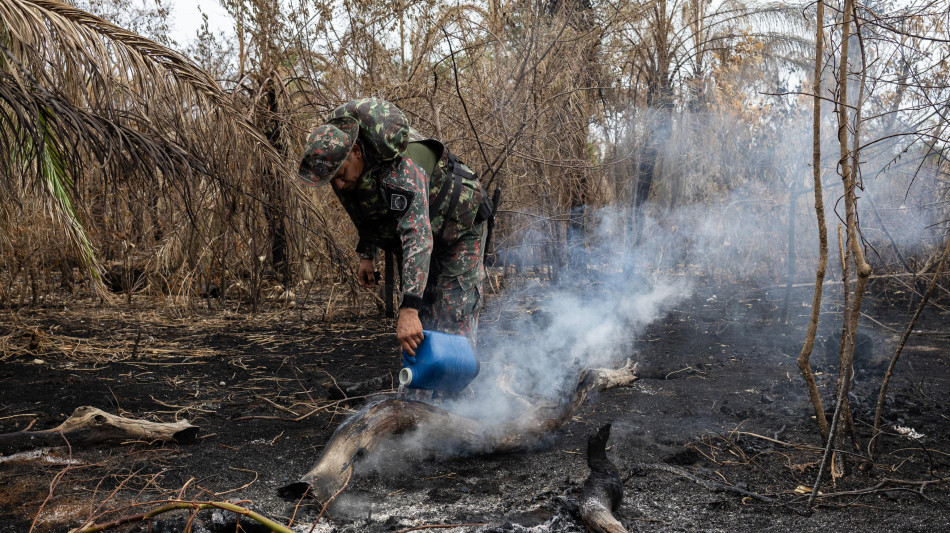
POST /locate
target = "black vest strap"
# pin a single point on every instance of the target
(456, 173)
(447, 184)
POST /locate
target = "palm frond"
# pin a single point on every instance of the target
(81, 97)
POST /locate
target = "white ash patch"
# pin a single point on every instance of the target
(43, 455)
(910, 433)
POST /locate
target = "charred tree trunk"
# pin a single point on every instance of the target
(603, 488)
(646, 171)
(793, 193)
(852, 255)
(276, 206)
(382, 421)
(659, 110)
(587, 76)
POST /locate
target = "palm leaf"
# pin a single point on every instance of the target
(79, 93)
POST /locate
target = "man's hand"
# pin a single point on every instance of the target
(367, 273)
(409, 330)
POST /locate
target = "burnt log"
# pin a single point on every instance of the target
(603, 488)
(89, 426)
(383, 421)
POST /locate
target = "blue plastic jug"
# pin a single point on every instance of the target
(442, 362)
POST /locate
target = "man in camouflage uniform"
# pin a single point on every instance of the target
(407, 195)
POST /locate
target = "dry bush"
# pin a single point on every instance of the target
(152, 169)
(656, 114)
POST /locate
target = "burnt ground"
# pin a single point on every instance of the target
(720, 398)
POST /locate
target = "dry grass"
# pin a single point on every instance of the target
(176, 185)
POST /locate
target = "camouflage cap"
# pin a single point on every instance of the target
(327, 149)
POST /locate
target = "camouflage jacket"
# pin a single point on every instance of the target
(390, 206)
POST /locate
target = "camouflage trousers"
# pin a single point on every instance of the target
(453, 291)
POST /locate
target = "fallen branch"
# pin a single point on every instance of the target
(380, 422)
(88, 426)
(798, 446)
(885, 485)
(172, 505)
(712, 486)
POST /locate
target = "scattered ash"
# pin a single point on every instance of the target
(722, 386)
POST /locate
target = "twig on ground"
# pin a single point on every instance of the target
(349, 475)
(303, 416)
(180, 408)
(242, 487)
(119, 487)
(684, 369)
(888, 328)
(148, 483)
(52, 486)
(776, 441)
(798, 446)
(296, 508)
(19, 416)
(886, 485)
(172, 505)
(713, 486)
(917, 448)
(335, 384)
(275, 404)
(181, 491)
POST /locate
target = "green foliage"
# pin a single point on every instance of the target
(53, 172)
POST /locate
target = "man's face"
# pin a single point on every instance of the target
(348, 175)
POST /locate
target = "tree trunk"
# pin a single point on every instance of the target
(790, 266)
(384, 420)
(276, 206)
(803, 358)
(659, 110)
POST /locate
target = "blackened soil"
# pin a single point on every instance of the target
(721, 399)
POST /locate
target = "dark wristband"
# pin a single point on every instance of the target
(410, 302)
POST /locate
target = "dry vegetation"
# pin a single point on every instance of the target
(127, 157)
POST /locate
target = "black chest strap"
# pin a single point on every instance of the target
(447, 185)
(457, 173)
(426, 153)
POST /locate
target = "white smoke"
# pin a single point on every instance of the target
(634, 271)
(590, 319)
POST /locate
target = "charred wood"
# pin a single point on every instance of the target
(90, 426)
(603, 489)
(382, 422)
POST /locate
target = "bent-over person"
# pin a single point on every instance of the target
(408, 195)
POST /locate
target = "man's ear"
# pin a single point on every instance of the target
(357, 151)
